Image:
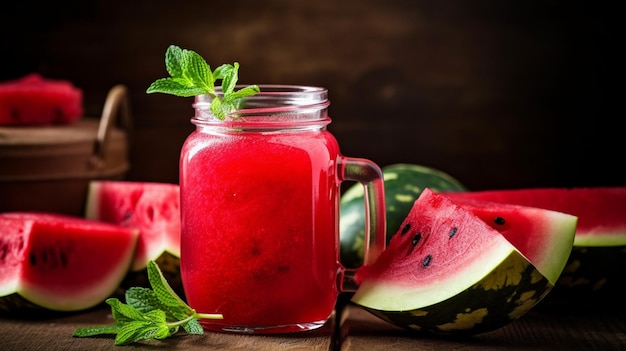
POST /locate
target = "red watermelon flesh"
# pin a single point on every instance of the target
(61, 262)
(601, 211)
(457, 258)
(34, 100)
(151, 207)
(526, 227)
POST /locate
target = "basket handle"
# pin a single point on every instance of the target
(116, 107)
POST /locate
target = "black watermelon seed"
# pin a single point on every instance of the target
(406, 229)
(416, 239)
(426, 261)
(499, 220)
(452, 232)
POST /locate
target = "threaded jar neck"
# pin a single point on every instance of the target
(275, 106)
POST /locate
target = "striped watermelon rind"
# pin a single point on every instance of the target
(503, 295)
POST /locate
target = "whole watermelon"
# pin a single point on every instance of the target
(403, 185)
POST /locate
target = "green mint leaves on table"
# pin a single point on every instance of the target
(192, 76)
(155, 313)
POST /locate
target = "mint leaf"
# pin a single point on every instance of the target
(123, 313)
(93, 331)
(153, 328)
(173, 61)
(193, 327)
(229, 81)
(175, 86)
(222, 71)
(155, 313)
(165, 294)
(143, 299)
(190, 75)
(151, 325)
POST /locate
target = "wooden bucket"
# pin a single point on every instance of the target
(48, 168)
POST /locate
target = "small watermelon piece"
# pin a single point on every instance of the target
(154, 209)
(595, 270)
(35, 100)
(447, 271)
(60, 262)
(403, 184)
(151, 207)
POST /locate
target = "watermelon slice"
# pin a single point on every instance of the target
(448, 271)
(595, 270)
(151, 207)
(601, 211)
(34, 100)
(60, 262)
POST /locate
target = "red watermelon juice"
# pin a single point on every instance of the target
(259, 200)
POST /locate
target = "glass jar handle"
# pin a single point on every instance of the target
(370, 176)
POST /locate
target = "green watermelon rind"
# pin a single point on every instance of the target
(600, 240)
(485, 306)
(403, 184)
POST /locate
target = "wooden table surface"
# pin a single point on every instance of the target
(350, 329)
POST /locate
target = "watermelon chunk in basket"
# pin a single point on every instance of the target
(35, 100)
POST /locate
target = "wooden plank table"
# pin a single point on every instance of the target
(537, 330)
(351, 329)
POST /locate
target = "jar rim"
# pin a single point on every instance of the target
(272, 100)
(297, 94)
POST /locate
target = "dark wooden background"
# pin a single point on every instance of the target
(496, 93)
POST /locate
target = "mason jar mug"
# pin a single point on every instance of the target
(260, 209)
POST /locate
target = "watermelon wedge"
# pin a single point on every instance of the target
(447, 271)
(595, 269)
(601, 211)
(60, 262)
(35, 100)
(151, 207)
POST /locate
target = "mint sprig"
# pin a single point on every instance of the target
(190, 75)
(155, 313)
